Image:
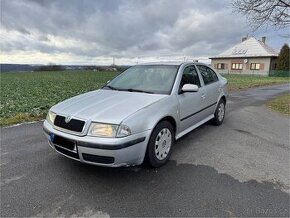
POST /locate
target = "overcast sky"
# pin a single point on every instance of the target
(93, 31)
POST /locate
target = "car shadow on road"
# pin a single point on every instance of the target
(173, 190)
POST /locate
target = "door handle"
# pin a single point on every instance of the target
(203, 95)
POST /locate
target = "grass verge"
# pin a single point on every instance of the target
(21, 117)
(237, 82)
(280, 104)
(27, 96)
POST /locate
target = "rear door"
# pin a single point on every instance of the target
(211, 88)
(190, 103)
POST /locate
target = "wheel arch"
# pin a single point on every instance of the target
(223, 98)
(170, 119)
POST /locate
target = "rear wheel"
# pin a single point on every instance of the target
(220, 112)
(160, 144)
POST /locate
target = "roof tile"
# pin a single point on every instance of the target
(251, 47)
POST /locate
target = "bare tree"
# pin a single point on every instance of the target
(264, 12)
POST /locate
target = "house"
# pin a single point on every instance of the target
(251, 56)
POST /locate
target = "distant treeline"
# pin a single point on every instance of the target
(50, 68)
(17, 67)
(107, 68)
(92, 67)
(27, 67)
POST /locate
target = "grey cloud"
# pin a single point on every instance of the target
(122, 28)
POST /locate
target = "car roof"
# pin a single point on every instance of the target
(174, 63)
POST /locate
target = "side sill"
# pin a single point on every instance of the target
(194, 127)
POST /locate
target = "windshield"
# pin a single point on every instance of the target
(157, 79)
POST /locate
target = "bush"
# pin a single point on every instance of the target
(279, 73)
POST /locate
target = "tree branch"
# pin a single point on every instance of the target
(264, 12)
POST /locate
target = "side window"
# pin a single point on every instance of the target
(208, 75)
(189, 76)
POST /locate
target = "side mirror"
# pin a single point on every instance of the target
(189, 88)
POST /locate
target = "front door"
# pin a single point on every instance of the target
(190, 103)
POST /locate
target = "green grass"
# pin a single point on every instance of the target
(237, 82)
(280, 104)
(27, 96)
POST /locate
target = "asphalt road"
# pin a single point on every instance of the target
(238, 169)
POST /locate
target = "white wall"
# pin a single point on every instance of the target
(264, 63)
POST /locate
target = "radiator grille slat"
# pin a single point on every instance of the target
(73, 125)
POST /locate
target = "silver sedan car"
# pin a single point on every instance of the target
(138, 115)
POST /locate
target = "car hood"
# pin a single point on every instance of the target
(107, 106)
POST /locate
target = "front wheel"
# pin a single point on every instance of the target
(160, 144)
(220, 112)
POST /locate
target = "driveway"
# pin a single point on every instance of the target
(238, 169)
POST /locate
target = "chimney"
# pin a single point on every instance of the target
(264, 39)
(244, 39)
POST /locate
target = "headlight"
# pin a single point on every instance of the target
(108, 130)
(50, 117)
(103, 130)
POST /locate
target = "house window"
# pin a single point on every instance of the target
(221, 66)
(237, 66)
(255, 66)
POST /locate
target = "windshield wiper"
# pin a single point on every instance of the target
(137, 90)
(110, 87)
(129, 90)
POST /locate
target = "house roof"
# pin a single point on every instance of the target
(251, 47)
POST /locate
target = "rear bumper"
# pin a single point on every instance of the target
(111, 152)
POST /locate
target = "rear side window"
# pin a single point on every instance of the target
(208, 75)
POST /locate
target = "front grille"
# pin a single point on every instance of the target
(72, 125)
(98, 159)
(63, 142)
(66, 152)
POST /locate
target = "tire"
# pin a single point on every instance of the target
(220, 112)
(160, 144)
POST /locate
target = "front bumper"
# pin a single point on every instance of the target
(111, 152)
